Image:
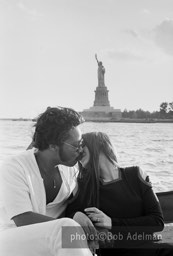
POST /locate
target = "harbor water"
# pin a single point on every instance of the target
(148, 145)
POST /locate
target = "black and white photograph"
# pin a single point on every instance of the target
(86, 127)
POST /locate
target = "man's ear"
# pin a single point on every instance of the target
(53, 147)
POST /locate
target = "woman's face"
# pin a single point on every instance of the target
(86, 157)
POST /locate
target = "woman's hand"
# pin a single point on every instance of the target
(85, 157)
(99, 218)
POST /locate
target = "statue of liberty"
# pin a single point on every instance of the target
(101, 73)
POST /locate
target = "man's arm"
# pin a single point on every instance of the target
(28, 218)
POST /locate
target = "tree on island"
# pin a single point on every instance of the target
(165, 112)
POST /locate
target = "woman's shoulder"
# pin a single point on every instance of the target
(136, 173)
(130, 170)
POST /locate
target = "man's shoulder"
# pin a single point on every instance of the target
(15, 161)
(22, 155)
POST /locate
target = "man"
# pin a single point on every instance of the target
(34, 188)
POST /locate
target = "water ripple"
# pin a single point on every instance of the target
(148, 145)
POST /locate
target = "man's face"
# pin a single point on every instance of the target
(70, 149)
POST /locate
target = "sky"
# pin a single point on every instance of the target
(48, 47)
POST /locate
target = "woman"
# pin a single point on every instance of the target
(118, 199)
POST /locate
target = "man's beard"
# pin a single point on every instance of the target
(61, 154)
(64, 160)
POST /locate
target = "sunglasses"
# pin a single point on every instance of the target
(78, 147)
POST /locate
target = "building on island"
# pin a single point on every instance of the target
(101, 110)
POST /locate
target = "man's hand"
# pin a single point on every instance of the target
(89, 229)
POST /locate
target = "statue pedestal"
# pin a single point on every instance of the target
(101, 96)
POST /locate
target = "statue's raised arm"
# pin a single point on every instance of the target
(96, 58)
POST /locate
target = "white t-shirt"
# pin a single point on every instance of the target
(22, 189)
